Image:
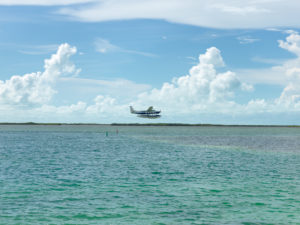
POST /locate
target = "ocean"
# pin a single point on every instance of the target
(101, 174)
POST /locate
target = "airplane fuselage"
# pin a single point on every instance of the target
(150, 113)
(146, 112)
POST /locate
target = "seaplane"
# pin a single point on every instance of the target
(150, 113)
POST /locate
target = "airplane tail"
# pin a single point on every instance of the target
(132, 110)
(150, 109)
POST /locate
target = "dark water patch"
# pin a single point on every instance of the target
(215, 191)
(157, 172)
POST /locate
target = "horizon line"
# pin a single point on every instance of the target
(152, 124)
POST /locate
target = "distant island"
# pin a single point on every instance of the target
(147, 124)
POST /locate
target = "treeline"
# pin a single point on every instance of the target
(200, 125)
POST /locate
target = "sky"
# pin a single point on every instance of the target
(198, 61)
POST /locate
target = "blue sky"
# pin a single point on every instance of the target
(197, 61)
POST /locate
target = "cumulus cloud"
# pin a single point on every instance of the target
(212, 56)
(102, 104)
(104, 109)
(203, 87)
(290, 96)
(292, 43)
(207, 89)
(286, 74)
(36, 88)
(206, 13)
(78, 108)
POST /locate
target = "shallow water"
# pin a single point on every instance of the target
(149, 175)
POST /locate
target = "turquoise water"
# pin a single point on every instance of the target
(149, 175)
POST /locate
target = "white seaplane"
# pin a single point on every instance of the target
(150, 113)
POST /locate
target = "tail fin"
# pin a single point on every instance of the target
(131, 109)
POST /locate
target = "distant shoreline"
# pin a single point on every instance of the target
(147, 124)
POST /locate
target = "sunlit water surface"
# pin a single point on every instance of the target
(149, 175)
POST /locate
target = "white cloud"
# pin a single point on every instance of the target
(240, 9)
(284, 73)
(206, 13)
(30, 97)
(256, 106)
(291, 93)
(274, 29)
(202, 89)
(246, 40)
(104, 46)
(104, 109)
(103, 104)
(207, 90)
(212, 56)
(292, 43)
(287, 74)
(78, 108)
(36, 88)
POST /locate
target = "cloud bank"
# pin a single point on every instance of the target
(290, 96)
(201, 89)
(204, 13)
(36, 88)
(207, 90)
